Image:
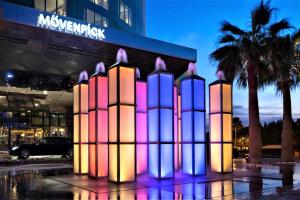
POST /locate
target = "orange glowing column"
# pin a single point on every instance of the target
(80, 91)
(121, 112)
(98, 131)
(220, 112)
(176, 144)
(141, 127)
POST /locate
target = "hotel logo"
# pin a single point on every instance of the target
(55, 22)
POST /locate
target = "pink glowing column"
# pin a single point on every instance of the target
(176, 144)
(141, 127)
(98, 131)
(179, 130)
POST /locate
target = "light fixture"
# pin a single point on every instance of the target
(80, 92)
(220, 112)
(193, 123)
(176, 137)
(141, 126)
(98, 122)
(179, 132)
(122, 116)
(160, 122)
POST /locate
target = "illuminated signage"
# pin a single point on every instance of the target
(54, 22)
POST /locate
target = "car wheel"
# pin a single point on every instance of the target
(24, 154)
(69, 154)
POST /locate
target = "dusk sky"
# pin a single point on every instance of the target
(196, 24)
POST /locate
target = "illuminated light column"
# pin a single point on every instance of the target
(179, 132)
(80, 138)
(176, 144)
(98, 131)
(193, 123)
(220, 112)
(121, 128)
(219, 189)
(141, 125)
(160, 122)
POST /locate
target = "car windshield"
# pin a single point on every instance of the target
(41, 141)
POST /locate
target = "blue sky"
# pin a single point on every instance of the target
(196, 24)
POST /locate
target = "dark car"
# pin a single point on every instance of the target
(46, 146)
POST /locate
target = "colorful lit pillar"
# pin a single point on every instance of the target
(98, 131)
(179, 132)
(121, 112)
(160, 122)
(80, 138)
(220, 112)
(141, 126)
(193, 123)
(219, 189)
(176, 144)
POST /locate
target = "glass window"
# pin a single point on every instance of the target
(125, 13)
(39, 4)
(89, 16)
(52, 6)
(100, 20)
(102, 3)
(61, 7)
(93, 17)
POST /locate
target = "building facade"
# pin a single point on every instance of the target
(41, 60)
(125, 15)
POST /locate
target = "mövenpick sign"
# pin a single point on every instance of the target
(54, 22)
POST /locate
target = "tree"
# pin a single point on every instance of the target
(237, 125)
(286, 77)
(242, 55)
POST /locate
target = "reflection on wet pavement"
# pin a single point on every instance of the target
(252, 183)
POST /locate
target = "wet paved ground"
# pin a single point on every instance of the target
(55, 181)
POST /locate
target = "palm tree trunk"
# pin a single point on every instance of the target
(287, 125)
(255, 141)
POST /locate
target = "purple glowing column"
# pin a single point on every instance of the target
(141, 127)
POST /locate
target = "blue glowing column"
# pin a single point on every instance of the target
(160, 125)
(193, 125)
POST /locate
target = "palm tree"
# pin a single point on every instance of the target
(242, 55)
(237, 125)
(286, 75)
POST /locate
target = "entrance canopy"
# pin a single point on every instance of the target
(37, 53)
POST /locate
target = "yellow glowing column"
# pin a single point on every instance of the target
(80, 91)
(121, 111)
(220, 112)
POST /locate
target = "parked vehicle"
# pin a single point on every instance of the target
(45, 146)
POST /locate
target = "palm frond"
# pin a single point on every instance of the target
(228, 27)
(261, 16)
(279, 26)
(227, 38)
(296, 37)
